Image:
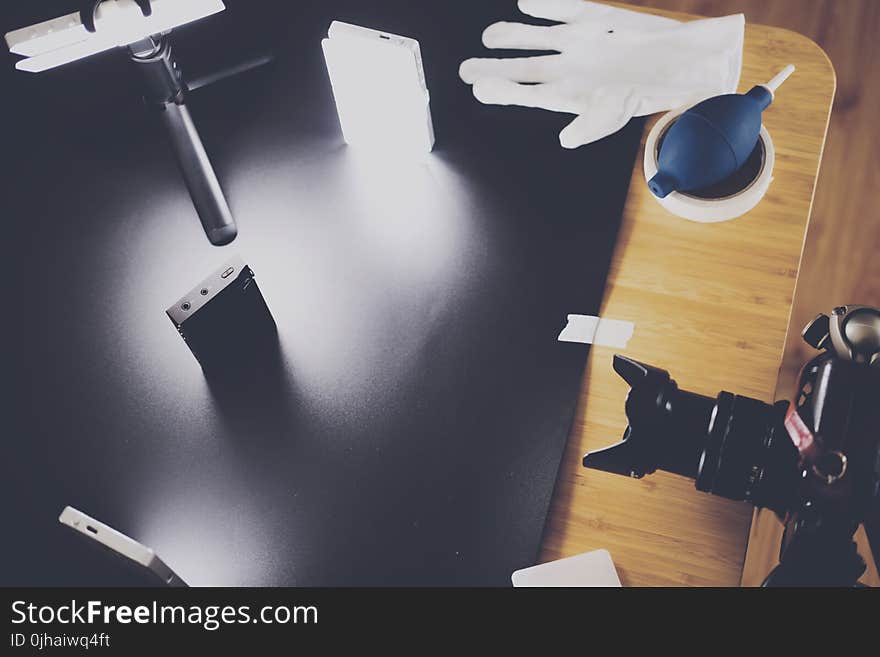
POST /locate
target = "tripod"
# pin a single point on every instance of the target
(166, 91)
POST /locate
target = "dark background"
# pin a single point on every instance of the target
(415, 431)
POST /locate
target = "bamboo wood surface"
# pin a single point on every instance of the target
(711, 303)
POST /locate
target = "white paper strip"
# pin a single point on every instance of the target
(586, 329)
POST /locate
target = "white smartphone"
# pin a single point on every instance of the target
(120, 544)
(380, 89)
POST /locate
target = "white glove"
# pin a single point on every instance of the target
(612, 65)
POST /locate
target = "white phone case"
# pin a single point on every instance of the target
(592, 569)
(117, 542)
(380, 89)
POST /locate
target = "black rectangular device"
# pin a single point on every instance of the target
(225, 320)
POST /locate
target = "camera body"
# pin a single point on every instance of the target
(814, 460)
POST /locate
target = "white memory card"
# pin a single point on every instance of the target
(592, 569)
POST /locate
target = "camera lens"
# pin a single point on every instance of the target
(732, 446)
(687, 416)
(747, 453)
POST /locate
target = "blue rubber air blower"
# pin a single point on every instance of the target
(713, 139)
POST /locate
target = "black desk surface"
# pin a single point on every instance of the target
(416, 431)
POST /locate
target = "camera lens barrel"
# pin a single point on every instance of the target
(735, 434)
(738, 448)
(731, 445)
(683, 438)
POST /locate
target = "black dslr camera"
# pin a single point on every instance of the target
(815, 461)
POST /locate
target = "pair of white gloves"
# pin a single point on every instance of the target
(612, 64)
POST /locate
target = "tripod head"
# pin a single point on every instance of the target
(143, 28)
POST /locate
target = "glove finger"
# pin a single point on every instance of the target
(524, 69)
(605, 116)
(550, 96)
(517, 36)
(580, 11)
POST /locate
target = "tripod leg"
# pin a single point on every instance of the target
(818, 555)
(166, 91)
(872, 530)
(199, 175)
